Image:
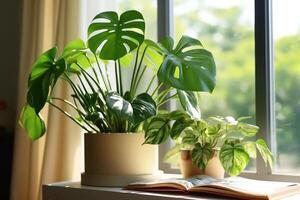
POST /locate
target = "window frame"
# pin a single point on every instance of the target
(264, 84)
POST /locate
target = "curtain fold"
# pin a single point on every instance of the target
(56, 156)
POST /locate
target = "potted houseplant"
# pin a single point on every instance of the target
(104, 110)
(209, 146)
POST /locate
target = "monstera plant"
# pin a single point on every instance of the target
(105, 106)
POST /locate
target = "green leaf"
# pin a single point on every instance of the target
(73, 48)
(213, 130)
(265, 152)
(44, 75)
(157, 130)
(189, 103)
(152, 59)
(247, 130)
(143, 107)
(116, 36)
(201, 154)
(188, 66)
(32, 122)
(233, 157)
(126, 60)
(177, 114)
(118, 105)
(173, 151)
(250, 148)
(179, 126)
(190, 137)
(76, 52)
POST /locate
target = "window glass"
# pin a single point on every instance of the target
(147, 8)
(286, 36)
(226, 28)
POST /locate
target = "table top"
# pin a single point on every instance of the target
(76, 191)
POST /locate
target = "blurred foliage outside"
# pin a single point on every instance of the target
(231, 40)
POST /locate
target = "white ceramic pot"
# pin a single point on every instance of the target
(116, 159)
(188, 169)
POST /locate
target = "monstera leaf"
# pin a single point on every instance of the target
(143, 107)
(42, 79)
(44, 75)
(75, 52)
(116, 36)
(120, 106)
(188, 66)
(189, 103)
(32, 122)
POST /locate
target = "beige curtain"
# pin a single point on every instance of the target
(56, 156)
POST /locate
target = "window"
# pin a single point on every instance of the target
(257, 74)
(286, 42)
(244, 57)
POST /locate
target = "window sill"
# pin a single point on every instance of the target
(75, 191)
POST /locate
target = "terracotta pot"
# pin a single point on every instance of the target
(116, 159)
(188, 169)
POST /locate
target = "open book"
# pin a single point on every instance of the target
(235, 187)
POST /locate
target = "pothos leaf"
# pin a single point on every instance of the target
(157, 130)
(179, 126)
(201, 154)
(264, 152)
(247, 130)
(189, 137)
(250, 148)
(173, 151)
(234, 158)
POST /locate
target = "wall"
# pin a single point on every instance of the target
(10, 20)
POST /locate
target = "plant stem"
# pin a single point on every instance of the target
(85, 73)
(76, 91)
(163, 94)
(68, 103)
(139, 68)
(101, 73)
(81, 114)
(89, 83)
(156, 88)
(83, 85)
(139, 80)
(68, 115)
(134, 69)
(150, 83)
(120, 76)
(107, 75)
(117, 77)
(167, 99)
(95, 73)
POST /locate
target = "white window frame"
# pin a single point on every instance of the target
(264, 85)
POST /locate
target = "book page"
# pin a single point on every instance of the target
(246, 186)
(162, 185)
(253, 186)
